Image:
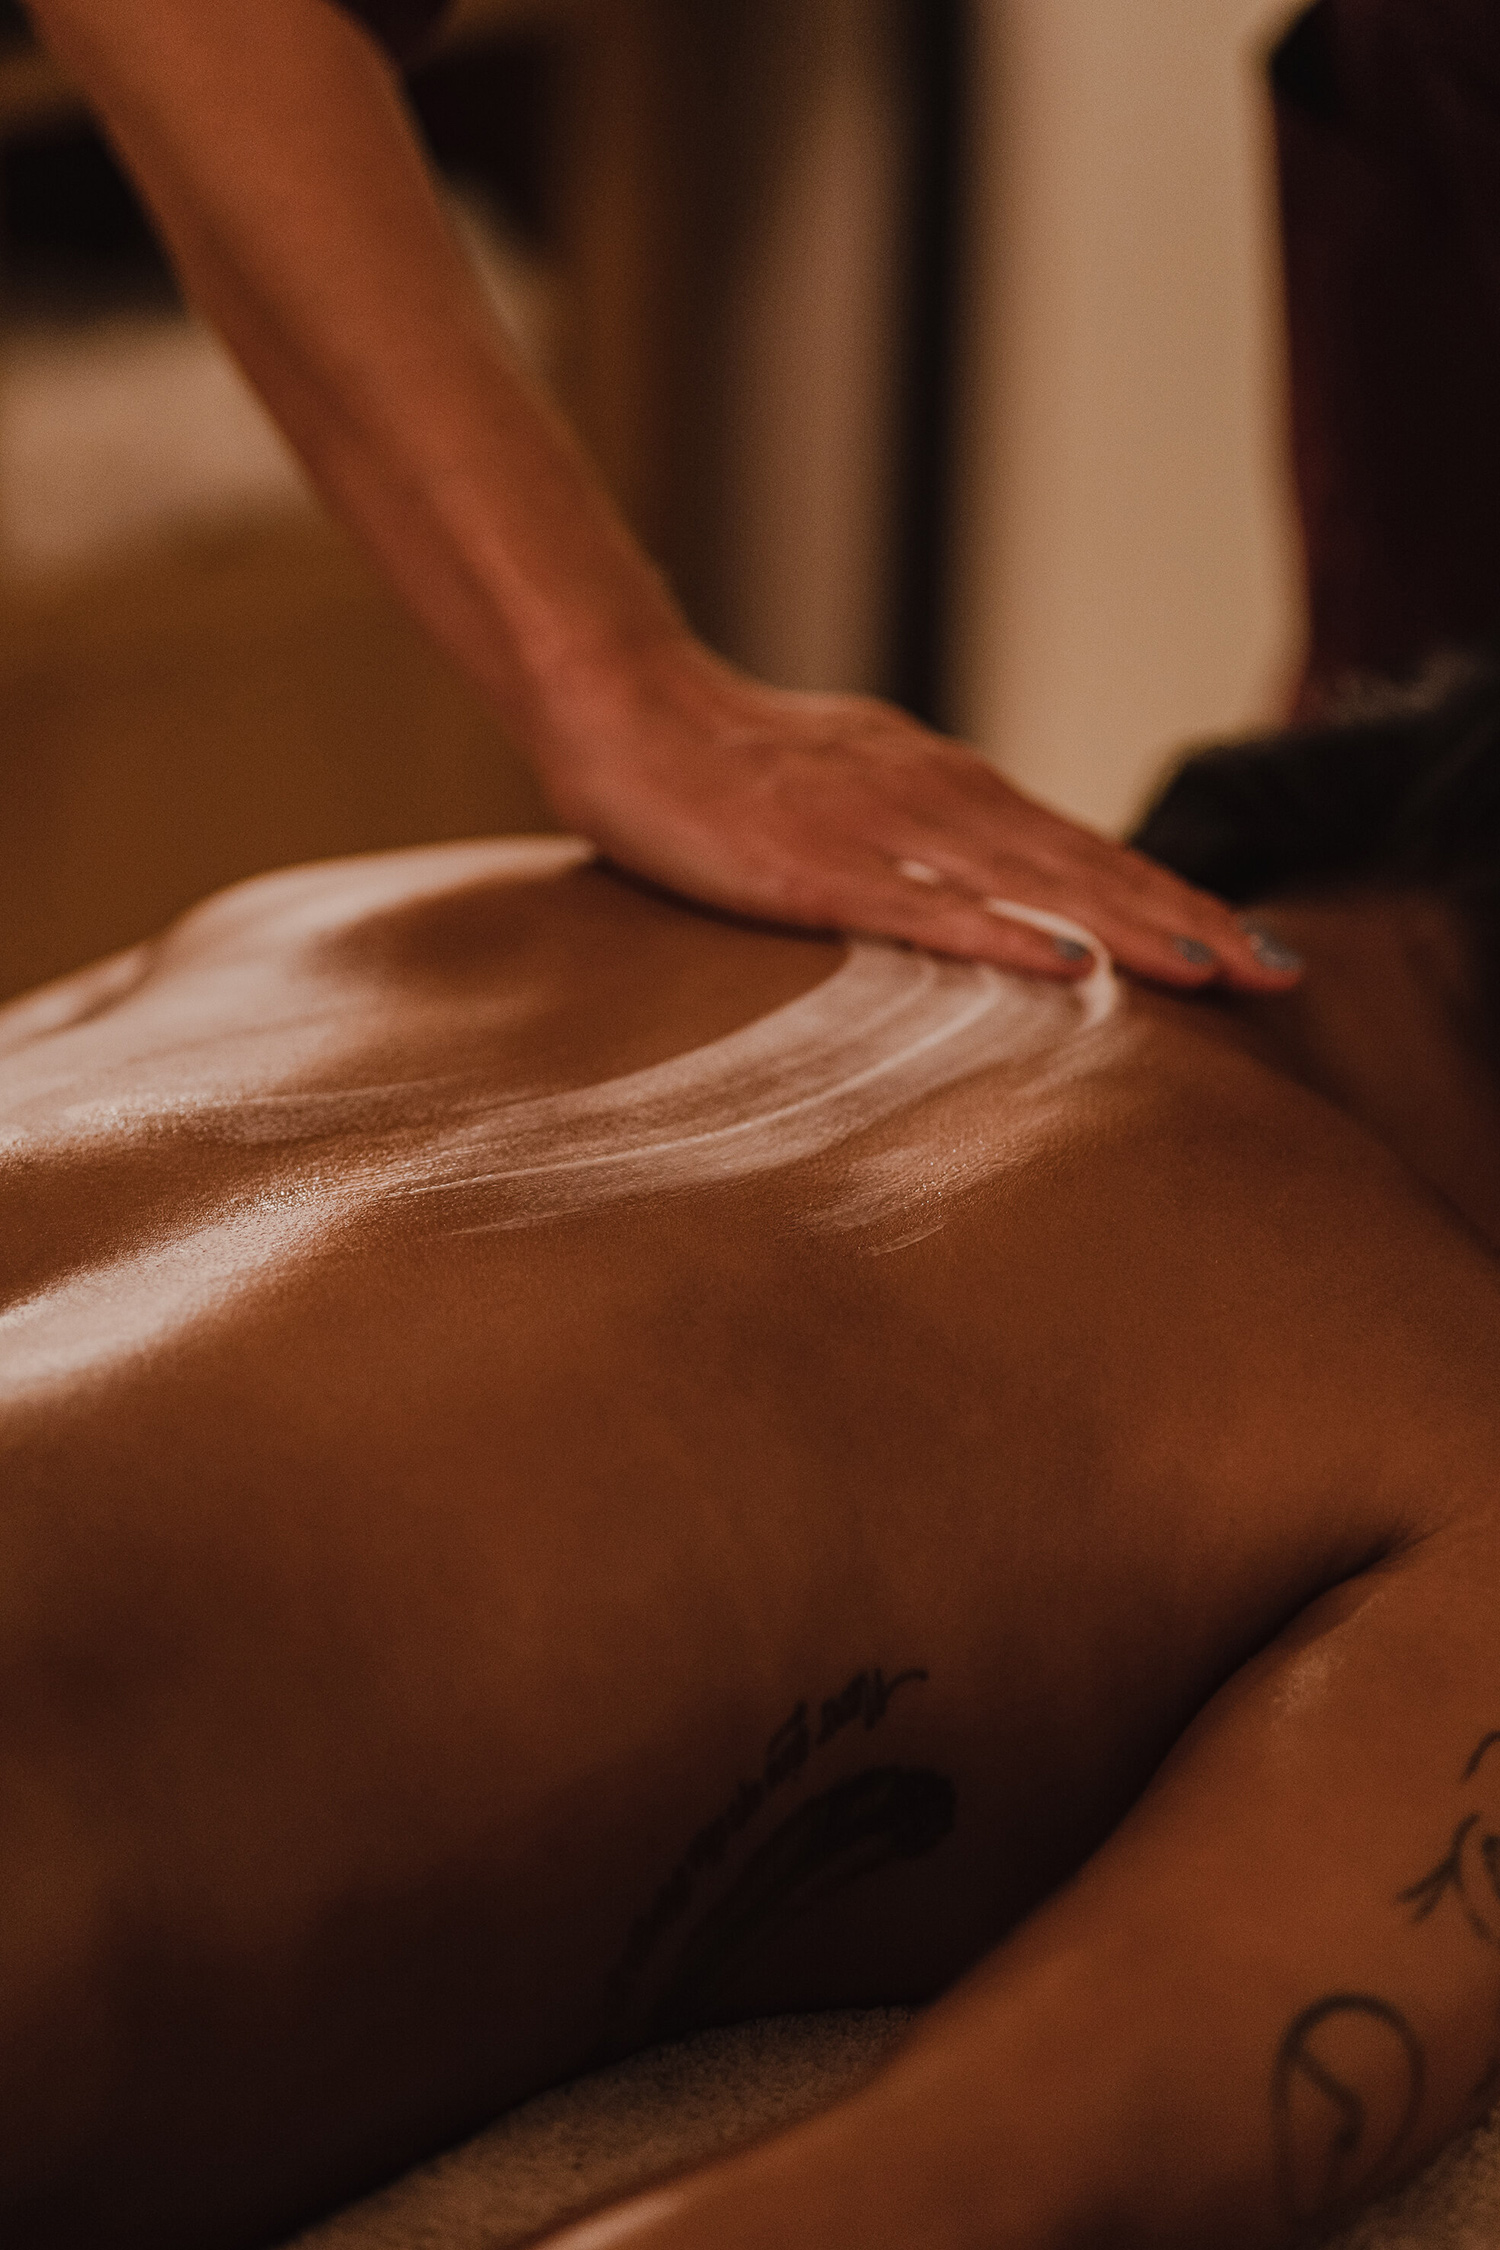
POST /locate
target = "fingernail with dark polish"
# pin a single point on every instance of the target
(1199, 956)
(1269, 951)
(1070, 949)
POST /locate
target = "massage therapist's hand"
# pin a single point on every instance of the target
(274, 146)
(838, 811)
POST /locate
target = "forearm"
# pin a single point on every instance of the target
(1248, 2014)
(272, 144)
(274, 148)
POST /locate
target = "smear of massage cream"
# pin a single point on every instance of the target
(888, 1027)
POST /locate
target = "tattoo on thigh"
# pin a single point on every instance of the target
(1345, 2095)
(866, 1697)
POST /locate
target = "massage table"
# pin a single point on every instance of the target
(597, 2138)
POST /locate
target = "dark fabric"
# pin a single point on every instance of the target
(400, 25)
(1388, 128)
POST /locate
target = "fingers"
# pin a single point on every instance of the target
(1225, 952)
(1180, 937)
(1162, 928)
(964, 824)
(1151, 922)
(1034, 917)
(943, 920)
(837, 813)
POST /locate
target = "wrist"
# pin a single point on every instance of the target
(598, 695)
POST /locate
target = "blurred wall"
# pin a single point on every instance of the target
(1125, 576)
(813, 351)
(200, 677)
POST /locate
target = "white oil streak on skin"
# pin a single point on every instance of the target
(886, 1029)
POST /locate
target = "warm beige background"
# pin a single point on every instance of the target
(813, 347)
(199, 681)
(1126, 576)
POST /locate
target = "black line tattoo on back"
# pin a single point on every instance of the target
(1346, 2091)
(867, 1697)
(859, 1826)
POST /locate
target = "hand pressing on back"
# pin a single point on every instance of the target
(841, 812)
(275, 149)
